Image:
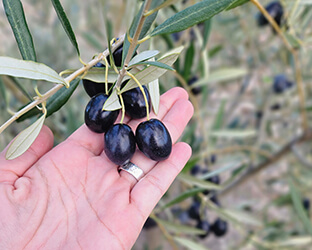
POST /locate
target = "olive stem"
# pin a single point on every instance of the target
(143, 93)
(52, 91)
(106, 75)
(133, 43)
(122, 106)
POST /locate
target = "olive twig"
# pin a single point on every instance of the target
(106, 76)
(52, 91)
(143, 93)
(122, 105)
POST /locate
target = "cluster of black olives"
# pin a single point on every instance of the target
(219, 227)
(152, 137)
(275, 10)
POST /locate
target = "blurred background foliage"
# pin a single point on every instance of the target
(249, 136)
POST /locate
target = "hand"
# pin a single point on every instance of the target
(72, 196)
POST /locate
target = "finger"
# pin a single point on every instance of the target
(175, 123)
(10, 170)
(146, 193)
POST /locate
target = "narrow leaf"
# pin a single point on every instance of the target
(152, 73)
(55, 102)
(242, 217)
(221, 76)
(189, 244)
(176, 228)
(65, 23)
(28, 69)
(16, 17)
(183, 196)
(24, 140)
(192, 15)
(207, 30)
(219, 117)
(20, 87)
(112, 103)
(233, 133)
(146, 26)
(155, 64)
(221, 169)
(295, 242)
(236, 4)
(98, 75)
(297, 201)
(188, 62)
(3, 93)
(197, 182)
(145, 55)
(153, 89)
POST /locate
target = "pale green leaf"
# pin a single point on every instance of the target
(192, 15)
(112, 102)
(221, 169)
(221, 75)
(143, 56)
(181, 197)
(233, 133)
(189, 244)
(152, 73)
(155, 64)
(29, 69)
(153, 89)
(198, 182)
(24, 139)
(297, 201)
(96, 74)
(176, 228)
(295, 242)
(242, 217)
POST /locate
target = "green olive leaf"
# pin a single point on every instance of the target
(29, 69)
(176, 228)
(145, 55)
(24, 139)
(98, 75)
(16, 17)
(55, 102)
(112, 102)
(221, 75)
(151, 73)
(242, 217)
(192, 15)
(189, 244)
(197, 182)
(153, 89)
(65, 23)
(233, 133)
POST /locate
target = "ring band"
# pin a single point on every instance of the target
(132, 169)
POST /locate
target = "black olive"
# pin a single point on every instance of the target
(119, 143)
(219, 227)
(135, 103)
(275, 9)
(96, 119)
(154, 140)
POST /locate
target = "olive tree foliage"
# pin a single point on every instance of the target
(172, 39)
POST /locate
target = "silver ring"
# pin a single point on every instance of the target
(132, 169)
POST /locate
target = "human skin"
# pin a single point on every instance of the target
(72, 197)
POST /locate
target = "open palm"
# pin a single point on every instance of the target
(72, 196)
